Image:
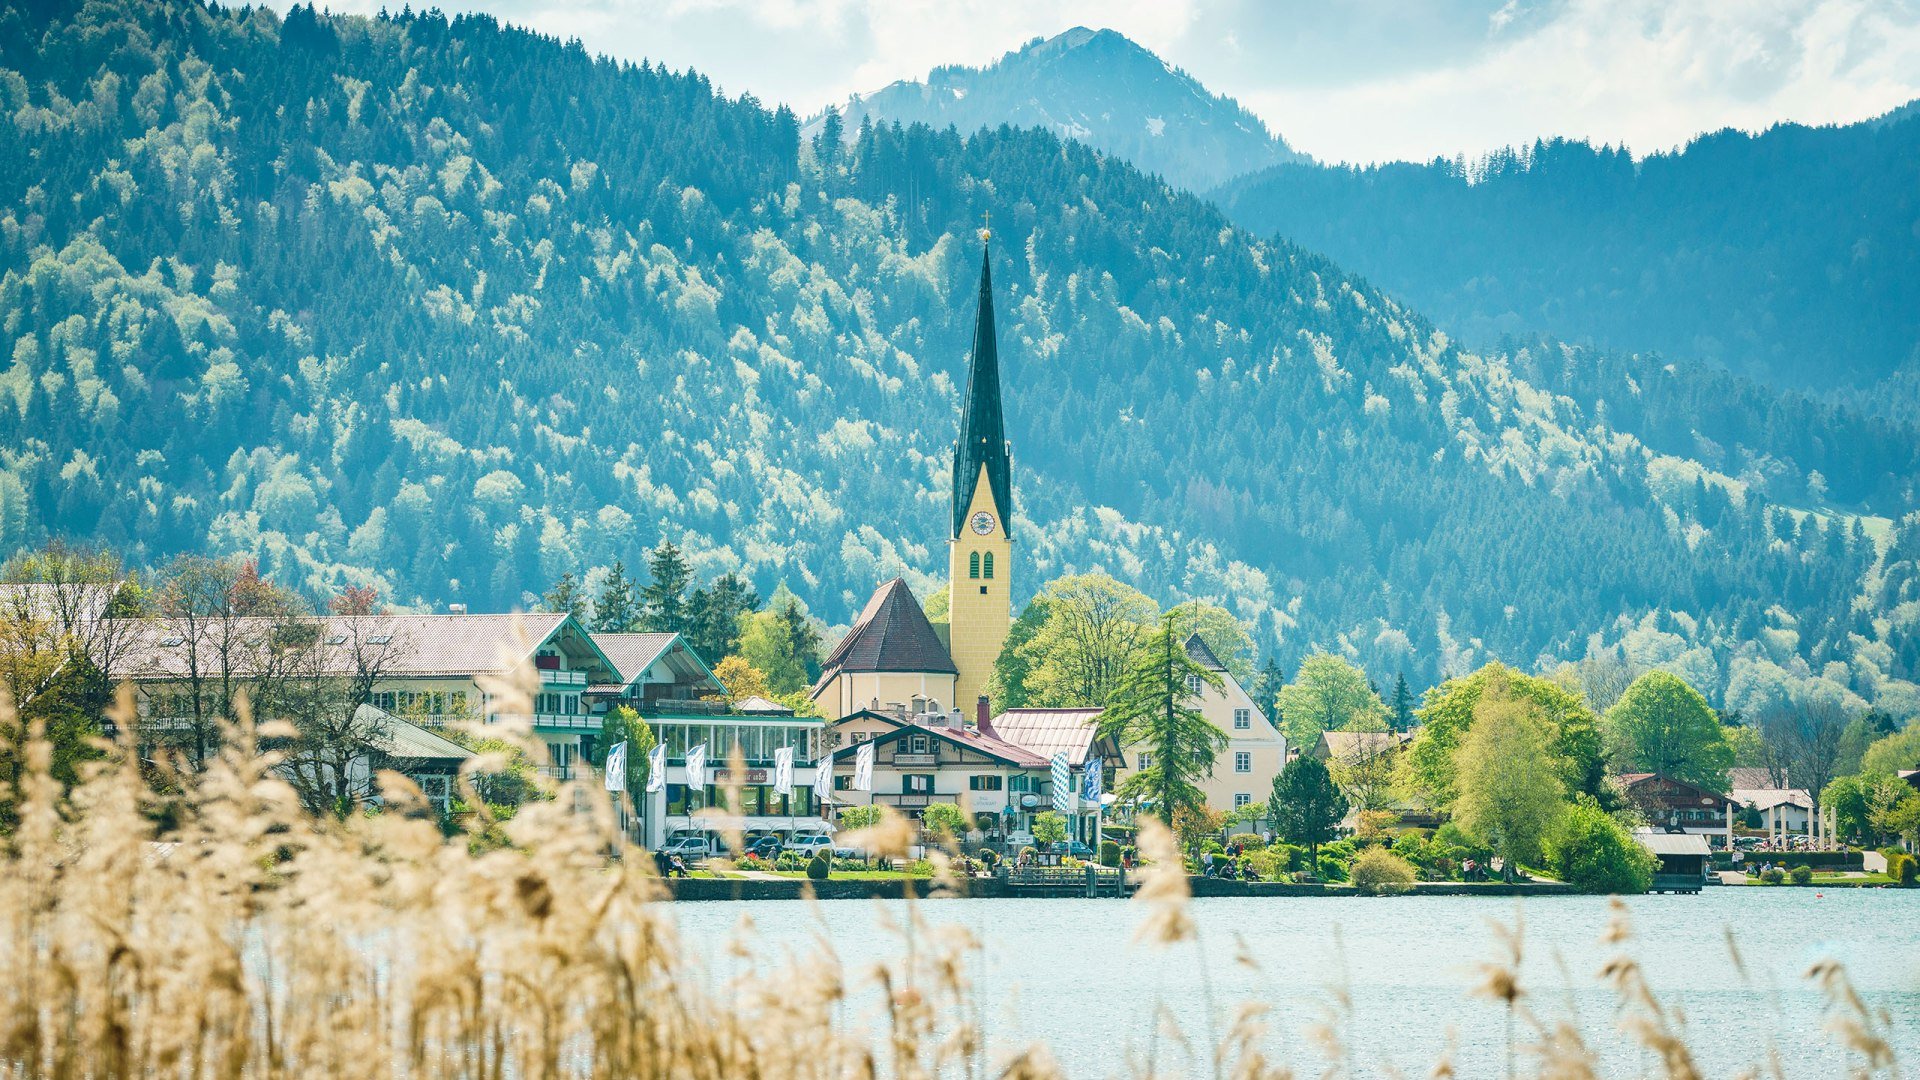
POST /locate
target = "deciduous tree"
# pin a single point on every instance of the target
(1328, 694)
(1662, 725)
(1510, 791)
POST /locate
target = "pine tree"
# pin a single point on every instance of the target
(803, 640)
(1402, 704)
(616, 612)
(1152, 709)
(663, 603)
(1306, 805)
(713, 616)
(565, 598)
(1266, 687)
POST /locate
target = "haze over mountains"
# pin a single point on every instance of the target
(1096, 86)
(450, 308)
(1792, 256)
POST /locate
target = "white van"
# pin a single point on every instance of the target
(810, 843)
(691, 846)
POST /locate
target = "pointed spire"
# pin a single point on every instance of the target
(983, 439)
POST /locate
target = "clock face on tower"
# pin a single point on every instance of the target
(982, 522)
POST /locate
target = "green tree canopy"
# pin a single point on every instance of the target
(566, 598)
(1307, 806)
(1400, 708)
(1049, 827)
(1893, 754)
(1662, 725)
(616, 611)
(713, 616)
(1449, 713)
(783, 642)
(621, 724)
(1510, 791)
(1594, 853)
(1092, 627)
(1152, 711)
(1328, 694)
(1224, 634)
(663, 602)
(943, 820)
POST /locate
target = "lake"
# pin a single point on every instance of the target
(1063, 971)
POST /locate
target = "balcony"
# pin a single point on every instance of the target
(551, 677)
(550, 721)
(906, 800)
(913, 759)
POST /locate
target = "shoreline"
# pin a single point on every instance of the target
(711, 889)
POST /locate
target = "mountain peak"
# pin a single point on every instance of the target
(1102, 88)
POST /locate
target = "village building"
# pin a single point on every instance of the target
(998, 770)
(1674, 805)
(1683, 860)
(1256, 751)
(891, 656)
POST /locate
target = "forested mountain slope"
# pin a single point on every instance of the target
(1096, 86)
(1792, 255)
(453, 308)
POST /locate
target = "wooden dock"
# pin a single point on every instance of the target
(1088, 881)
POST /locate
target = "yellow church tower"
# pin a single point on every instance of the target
(980, 551)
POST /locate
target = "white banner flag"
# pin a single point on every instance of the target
(823, 780)
(783, 770)
(697, 768)
(657, 767)
(617, 767)
(863, 767)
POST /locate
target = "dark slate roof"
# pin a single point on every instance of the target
(983, 438)
(891, 634)
(1198, 652)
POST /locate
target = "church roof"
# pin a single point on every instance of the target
(1198, 652)
(983, 438)
(891, 634)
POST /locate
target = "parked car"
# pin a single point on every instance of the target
(764, 847)
(1074, 848)
(691, 846)
(810, 843)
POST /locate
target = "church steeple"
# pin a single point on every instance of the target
(983, 439)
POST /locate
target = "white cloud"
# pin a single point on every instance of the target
(1356, 80)
(1645, 73)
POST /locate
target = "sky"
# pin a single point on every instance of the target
(1343, 80)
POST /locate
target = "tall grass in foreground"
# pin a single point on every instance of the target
(251, 940)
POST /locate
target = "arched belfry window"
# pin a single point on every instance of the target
(989, 565)
(973, 565)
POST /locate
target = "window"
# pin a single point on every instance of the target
(1024, 783)
(1146, 760)
(989, 574)
(983, 783)
(1242, 719)
(920, 744)
(862, 736)
(1242, 762)
(1193, 684)
(917, 784)
(973, 565)
(1240, 799)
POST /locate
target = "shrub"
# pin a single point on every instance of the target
(1801, 875)
(1267, 864)
(1903, 869)
(1109, 853)
(920, 868)
(1071, 863)
(1379, 872)
(1291, 857)
(1772, 876)
(1592, 852)
(1246, 841)
(1332, 869)
(817, 869)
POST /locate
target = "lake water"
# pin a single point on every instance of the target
(1063, 971)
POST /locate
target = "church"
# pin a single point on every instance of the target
(893, 655)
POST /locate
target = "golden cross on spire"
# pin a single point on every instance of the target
(986, 225)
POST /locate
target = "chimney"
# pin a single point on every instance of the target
(456, 609)
(982, 713)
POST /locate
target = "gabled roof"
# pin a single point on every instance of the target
(632, 654)
(1047, 732)
(891, 634)
(1768, 798)
(1630, 781)
(757, 705)
(1199, 653)
(980, 742)
(983, 438)
(414, 645)
(1666, 843)
(1754, 778)
(400, 739)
